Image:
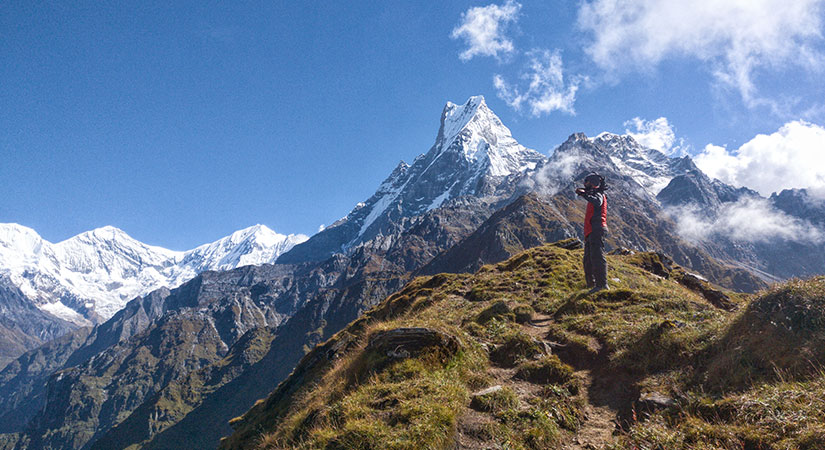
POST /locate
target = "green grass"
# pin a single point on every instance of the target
(496, 401)
(748, 379)
(758, 382)
(548, 370)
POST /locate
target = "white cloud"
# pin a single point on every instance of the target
(482, 29)
(545, 90)
(736, 38)
(747, 220)
(656, 134)
(557, 172)
(792, 157)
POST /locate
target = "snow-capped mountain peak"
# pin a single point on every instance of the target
(619, 155)
(93, 274)
(257, 244)
(111, 250)
(455, 118)
(649, 167)
(473, 154)
(475, 132)
(18, 238)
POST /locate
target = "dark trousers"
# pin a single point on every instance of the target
(595, 265)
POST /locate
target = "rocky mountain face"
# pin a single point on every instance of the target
(474, 155)
(527, 222)
(22, 325)
(650, 168)
(173, 367)
(777, 238)
(801, 204)
(88, 278)
(84, 383)
(694, 187)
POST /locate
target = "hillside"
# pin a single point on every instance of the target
(517, 356)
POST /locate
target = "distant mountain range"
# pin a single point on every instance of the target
(91, 276)
(170, 368)
(86, 279)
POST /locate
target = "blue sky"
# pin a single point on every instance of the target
(180, 123)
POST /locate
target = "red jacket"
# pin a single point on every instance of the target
(588, 216)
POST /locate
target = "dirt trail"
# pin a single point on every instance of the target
(604, 400)
(599, 423)
(607, 397)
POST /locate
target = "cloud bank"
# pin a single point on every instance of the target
(736, 38)
(750, 219)
(483, 30)
(555, 174)
(543, 89)
(792, 157)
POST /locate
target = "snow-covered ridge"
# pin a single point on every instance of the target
(94, 274)
(472, 146)
(650, 168)
(477, 132)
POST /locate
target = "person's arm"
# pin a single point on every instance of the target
(595, 198)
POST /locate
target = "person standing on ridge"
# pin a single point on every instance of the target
(595, 228)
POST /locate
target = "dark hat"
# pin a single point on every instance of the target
(594, 179)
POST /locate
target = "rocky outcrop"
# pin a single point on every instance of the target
(409, 342)
(23, 326)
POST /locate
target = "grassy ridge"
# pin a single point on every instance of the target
(760, 385)
(649, 333)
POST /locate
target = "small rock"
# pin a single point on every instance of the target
(716, 298)
(622, 251)
(656, 398)
(650, 402)
(493, 399)
(488, 390)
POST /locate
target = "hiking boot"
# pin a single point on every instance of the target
(597, 289)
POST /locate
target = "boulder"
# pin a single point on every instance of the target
(410, 342)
